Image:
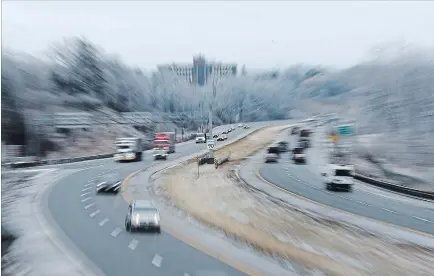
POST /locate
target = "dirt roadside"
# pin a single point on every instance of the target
(217, 199)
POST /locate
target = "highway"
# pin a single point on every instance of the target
(95, 224)
(306, 181)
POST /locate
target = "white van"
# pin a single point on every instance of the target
(339, 177)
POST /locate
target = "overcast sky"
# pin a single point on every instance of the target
(260, 34)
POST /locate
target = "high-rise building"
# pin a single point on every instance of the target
(201, 71)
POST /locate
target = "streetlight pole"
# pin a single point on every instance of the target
(211, 101)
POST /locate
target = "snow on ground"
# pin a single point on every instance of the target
(407, 171)
(218, 199)
(21, 214)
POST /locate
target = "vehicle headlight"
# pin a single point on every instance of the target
(157, 218)
(136, 219)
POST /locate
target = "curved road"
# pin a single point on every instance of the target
(306, 181)
(95, 224)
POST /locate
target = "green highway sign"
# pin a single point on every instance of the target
(345, 130)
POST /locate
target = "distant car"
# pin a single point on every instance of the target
(246, 127)
(225, 132)
(283, 146)
(109, 183)
(272, 155)
(294, 130)
(215, 136)
(142, 214)
(240, 125)
(222, 137)
(298, 155)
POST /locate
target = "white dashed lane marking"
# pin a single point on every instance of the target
(85, 194)
(86, 199)
(388, 210)
(116, 232)
(94, 213)
(86, 189)
(104, 221)
(88, 206)
(419, 218)
(88, 184)
(133, 244)
(157, 260)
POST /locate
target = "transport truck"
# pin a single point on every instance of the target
(128, 149)
(163, 145)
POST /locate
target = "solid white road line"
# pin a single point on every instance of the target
(88, 206)
(86, 199)
(157, 260)
(94, 213)
(116, 232)
(133, 244)
(104, 221)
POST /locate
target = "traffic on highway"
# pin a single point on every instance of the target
(109, 230)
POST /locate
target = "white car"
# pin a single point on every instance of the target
(339, 177)
(200, 138)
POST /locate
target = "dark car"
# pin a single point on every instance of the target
(294, 130)
(109, 183)
(283, 146)
(215, 136)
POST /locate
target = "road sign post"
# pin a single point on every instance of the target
(210, 144)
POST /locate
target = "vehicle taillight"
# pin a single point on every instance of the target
(166, 148)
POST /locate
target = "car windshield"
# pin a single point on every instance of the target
(145, 210)
(273, 150)
(343, 173)
(298, 151)
(283, 144)
(200, 135)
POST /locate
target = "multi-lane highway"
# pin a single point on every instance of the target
(95, 224)
(306, 180)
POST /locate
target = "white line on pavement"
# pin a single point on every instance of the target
(104, 221)
(88, 206)
(419, 218)
(157, 260)
(85, 194)
(133, 244)
(86, 199)
(94, 213)
(116, 232)
(85, 189)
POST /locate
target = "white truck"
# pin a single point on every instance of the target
(339, 177)
(164, 144)
(200, 138)
(128, 149)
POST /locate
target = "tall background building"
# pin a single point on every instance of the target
(200, 71)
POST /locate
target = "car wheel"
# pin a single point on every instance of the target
(158, 230)
(128, 227)
(350, 189)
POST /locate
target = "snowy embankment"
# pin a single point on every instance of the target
(387, 158)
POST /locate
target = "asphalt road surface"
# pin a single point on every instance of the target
(95, 224)
(306, 180)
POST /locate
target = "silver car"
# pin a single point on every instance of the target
(109, 183)
(142, 214)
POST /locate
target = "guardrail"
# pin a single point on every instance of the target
(395, 187)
